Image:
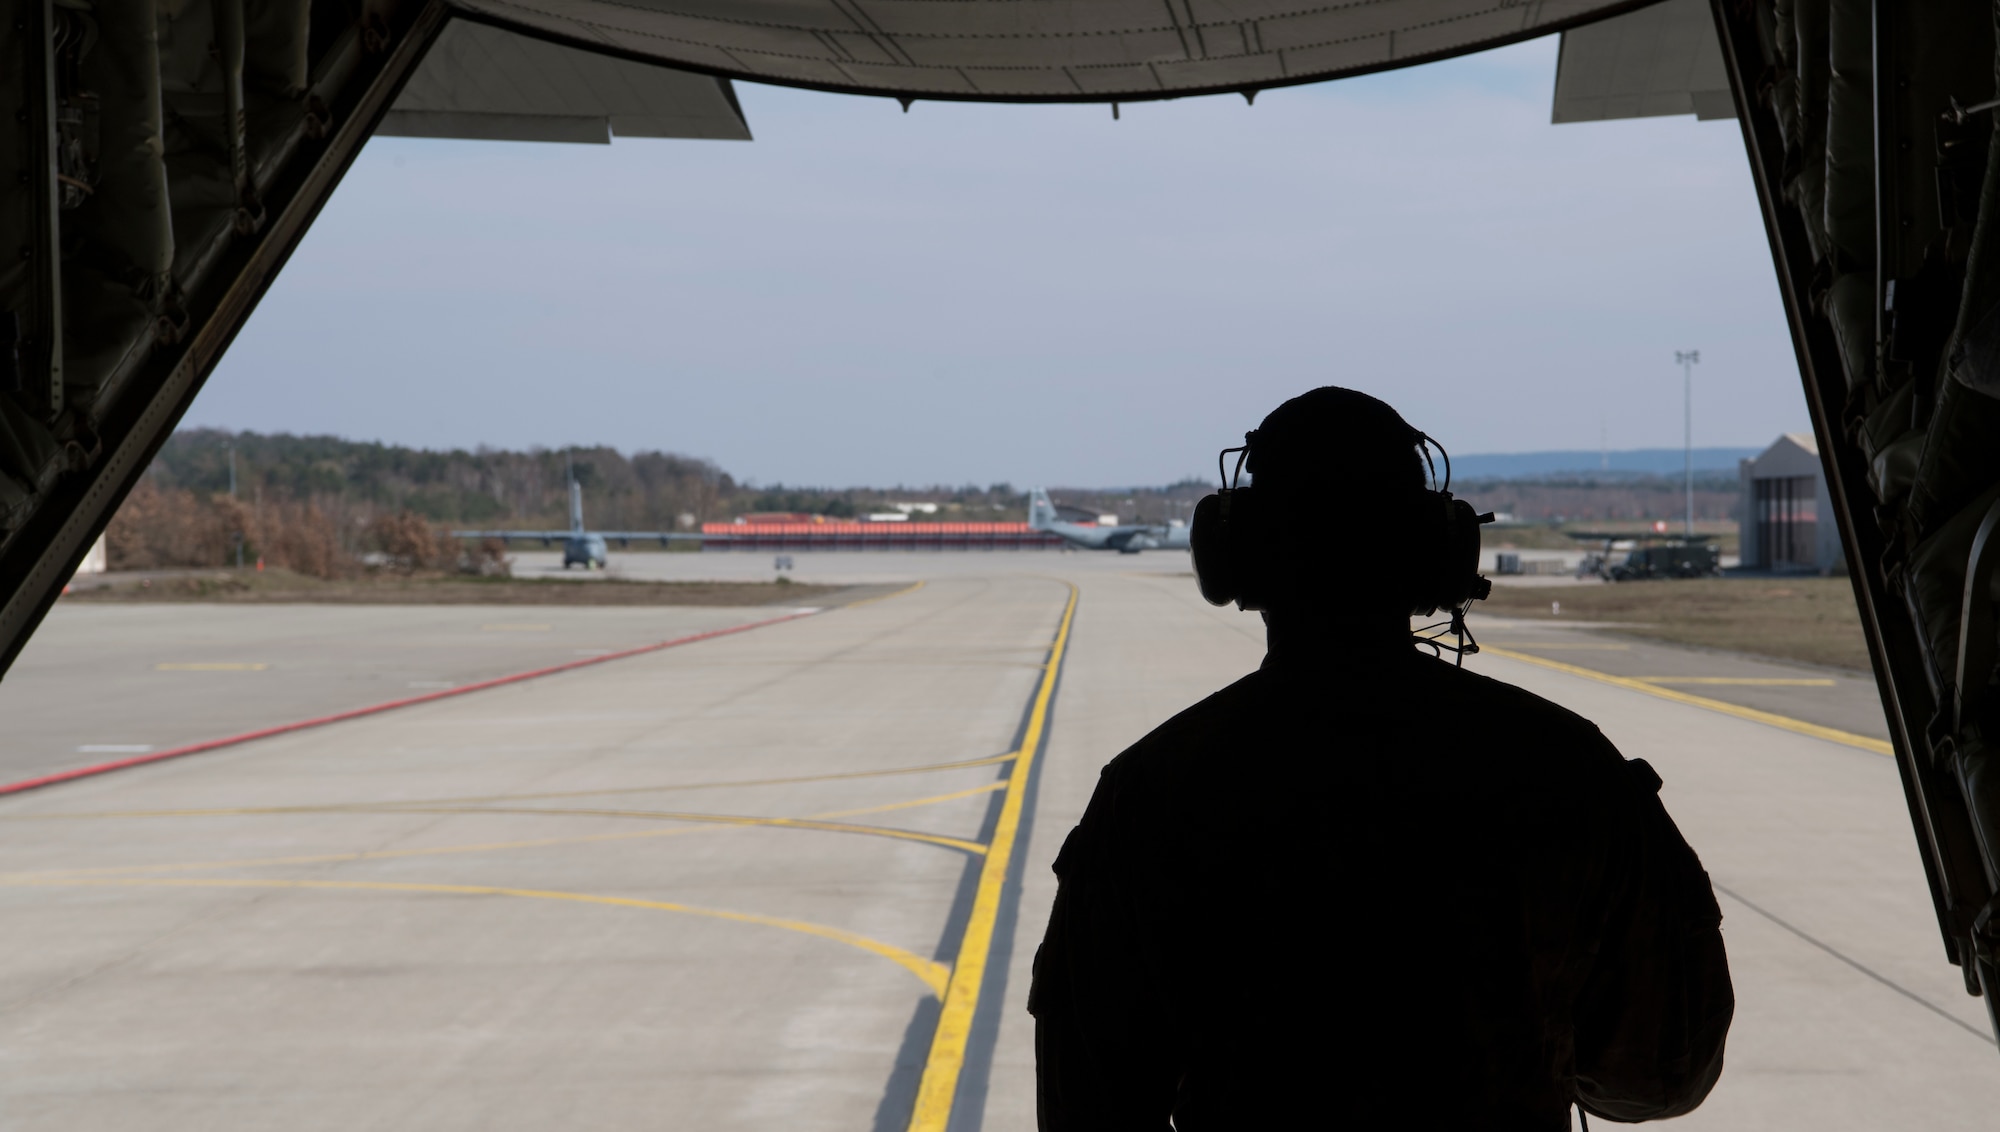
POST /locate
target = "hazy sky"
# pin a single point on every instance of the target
(1037, 293)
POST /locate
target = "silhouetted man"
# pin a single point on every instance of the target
(1362, 888)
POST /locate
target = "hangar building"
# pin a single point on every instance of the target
(1786, 519)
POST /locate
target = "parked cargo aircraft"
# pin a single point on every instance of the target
(581, 547)
(1124, 540)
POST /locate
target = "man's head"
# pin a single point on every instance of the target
(1340, 504)
(1336, 449)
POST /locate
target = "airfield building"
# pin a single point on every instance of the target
(842, 535)
(1786, 517)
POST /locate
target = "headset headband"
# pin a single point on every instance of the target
(1221, 468)
(1422, 441)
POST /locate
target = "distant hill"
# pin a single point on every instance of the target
(1632, 462)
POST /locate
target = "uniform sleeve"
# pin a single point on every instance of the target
(1654, 1010)
(1104, 1055)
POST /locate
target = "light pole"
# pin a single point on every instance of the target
(1687, 359)
(231, 446)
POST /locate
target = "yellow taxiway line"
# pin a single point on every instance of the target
(702, 820)
(939, 1086)
(934, 974)
(1742, 681)
(958, 843)
(958, 984)
(1769, 719)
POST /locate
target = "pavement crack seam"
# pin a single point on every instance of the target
(1913, 996)
(328, 807)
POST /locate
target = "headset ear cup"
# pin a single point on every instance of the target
(1464, 558)
(1447, 538)
(1210, 544)
(1427, 553)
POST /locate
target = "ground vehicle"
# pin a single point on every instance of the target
(1676, 557)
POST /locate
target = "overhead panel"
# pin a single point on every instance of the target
(1656, 61)
(1038, 50)
(492, 84)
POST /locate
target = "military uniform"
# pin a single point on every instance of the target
(1369, 889)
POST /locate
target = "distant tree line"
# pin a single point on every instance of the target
(321, 504)
(482, 487)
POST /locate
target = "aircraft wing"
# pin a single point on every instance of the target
(1052, 51)
(546, 535)
(1656, 61)
(1121, 537)
(491, 84)
(650, 536)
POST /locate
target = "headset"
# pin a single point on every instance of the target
(1235, 544)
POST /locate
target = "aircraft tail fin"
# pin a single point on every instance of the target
(575, 507)
(1041, 513)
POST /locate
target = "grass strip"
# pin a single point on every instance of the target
(1808, 620)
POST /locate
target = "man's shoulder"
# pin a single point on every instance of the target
(1511, 724)
(1215, 718)
(1510, 701)
(1428, 701)
(1213, 721)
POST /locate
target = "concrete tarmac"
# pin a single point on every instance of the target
(719, 886)
(839, 568)
(100, 682)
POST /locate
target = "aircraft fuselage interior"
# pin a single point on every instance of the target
(163, 158)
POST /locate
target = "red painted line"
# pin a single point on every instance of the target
(376, 709)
